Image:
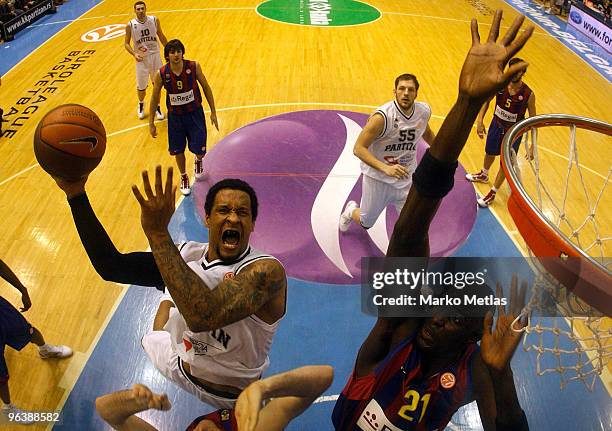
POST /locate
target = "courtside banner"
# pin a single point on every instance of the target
(18, 23)
(467, 286)
(591, 27)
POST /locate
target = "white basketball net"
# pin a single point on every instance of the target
(582, 351)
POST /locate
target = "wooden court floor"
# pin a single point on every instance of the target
(256, 68)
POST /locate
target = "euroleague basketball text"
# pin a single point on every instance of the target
(45, 88)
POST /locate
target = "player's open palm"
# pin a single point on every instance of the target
(483, 73)
(498, 345)
(156, 206)
(248, 406)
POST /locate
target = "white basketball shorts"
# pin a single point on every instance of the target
(147, 68)
(375, 197)
(158, 346)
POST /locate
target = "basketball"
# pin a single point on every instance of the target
(69, 141)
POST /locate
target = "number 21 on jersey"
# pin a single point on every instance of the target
(409, 411)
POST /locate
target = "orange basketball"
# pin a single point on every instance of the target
(70, 141)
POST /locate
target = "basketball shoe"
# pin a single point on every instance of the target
(159, 115)
(185, 189)
(49, 351)
(347, 216)
(479, 177)
(487, 200)
(198, 169)
(140, 111)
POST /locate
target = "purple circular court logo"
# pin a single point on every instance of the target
(301, 165)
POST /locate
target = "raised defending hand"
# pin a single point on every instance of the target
(157, 208)
(248, 406)
(483, 73)
(146, 399)
(497, 346)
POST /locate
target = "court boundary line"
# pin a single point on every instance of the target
(270, 105)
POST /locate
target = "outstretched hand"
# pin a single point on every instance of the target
(157, 208)
(483, 73)
(497, 346)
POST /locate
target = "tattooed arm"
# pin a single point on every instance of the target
(232, 300)
(204, 309)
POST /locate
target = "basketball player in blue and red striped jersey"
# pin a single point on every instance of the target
(186, 122)
(511, 103)
(265, 405)
(412, 374)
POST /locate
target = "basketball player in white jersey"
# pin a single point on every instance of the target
(387, 149)
(213, 333)
(144, 31)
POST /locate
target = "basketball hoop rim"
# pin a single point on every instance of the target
(521, 205)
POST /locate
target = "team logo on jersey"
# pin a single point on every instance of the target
(188, 71)
(312, 154)
(228, 275)
(447, 380)
(106, 32)
(188, 345)
(320, 13)
(225, 415)
(520, 97)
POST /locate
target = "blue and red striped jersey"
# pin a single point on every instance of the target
(510, 109)
(182, 91)
(397, 397)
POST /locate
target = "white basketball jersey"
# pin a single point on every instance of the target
(398, 141)
(144, 35)
(236, 354)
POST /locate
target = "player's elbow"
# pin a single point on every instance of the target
(357, 151)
